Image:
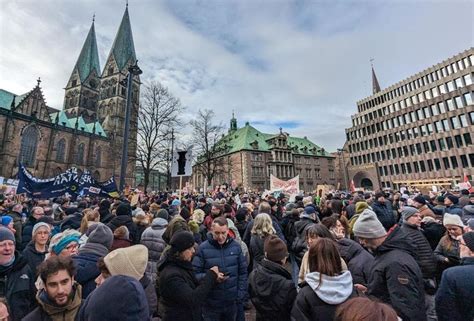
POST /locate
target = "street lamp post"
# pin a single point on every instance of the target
(133, 70)
(341, 151)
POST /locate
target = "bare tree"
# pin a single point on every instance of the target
(159, 113)
(206, 135)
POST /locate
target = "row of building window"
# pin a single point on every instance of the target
(441, 144)
(413, 116)
(439, 126)
(419, 82)
(422, 166)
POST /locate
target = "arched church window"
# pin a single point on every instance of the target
(80, 154)
(110, 71)
(29, 144)
(61, 150)
(98, 156)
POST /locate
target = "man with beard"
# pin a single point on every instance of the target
(60, 299)
(16, 278)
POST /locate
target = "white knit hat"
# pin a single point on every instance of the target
(452, 219)
(130, 261)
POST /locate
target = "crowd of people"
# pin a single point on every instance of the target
(359, 256)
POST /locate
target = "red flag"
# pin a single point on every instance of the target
(353, 188)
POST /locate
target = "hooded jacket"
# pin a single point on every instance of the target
(384, 213)
(48, 311)
(33, 257)
(120, 297)
(455, 296)
(19, 287)
(183, 296)
(229, 258)
(396, 278)
(86, 265)
(152, 238)
(358, 260)
(318, 301)
(272, 291)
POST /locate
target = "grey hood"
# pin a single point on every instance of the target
(333, 289)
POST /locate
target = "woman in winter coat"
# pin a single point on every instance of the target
(262, 228)
(325, 287)
(183, 295)
(447, 251)
(121, 238)
(152, 238)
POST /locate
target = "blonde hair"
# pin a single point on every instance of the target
(262, 225)
(198, 216)
(89, 215)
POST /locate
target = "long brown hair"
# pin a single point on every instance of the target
(323, 257)
(364, 309)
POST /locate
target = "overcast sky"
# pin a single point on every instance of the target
(300, 65)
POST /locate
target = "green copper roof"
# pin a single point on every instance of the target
(89, 57)
(71, 123)
(245, 138)
(123, 49)
(6, 99)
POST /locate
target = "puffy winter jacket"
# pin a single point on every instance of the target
(152, 238)
(455, 296)
(86, 266)
(272, 291)
(426, 258)
(396, 278)
(358, 260)
(229, 258)
(384, 213)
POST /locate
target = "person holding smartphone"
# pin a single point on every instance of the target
(182, 295)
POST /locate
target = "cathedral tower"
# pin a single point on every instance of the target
(82, 89)
(113, 95)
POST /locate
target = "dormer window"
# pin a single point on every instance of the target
(110, 71)
(74, 83)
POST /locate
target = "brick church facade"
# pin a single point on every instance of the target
(88, 132)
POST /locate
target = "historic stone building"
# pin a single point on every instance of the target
(417, 132)
(249, 157)
(88, 132)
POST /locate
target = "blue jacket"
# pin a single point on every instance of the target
(454, 209)
(229, 258)
(455, 296)
(86, 266)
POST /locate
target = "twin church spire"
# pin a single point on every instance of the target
(84, 85)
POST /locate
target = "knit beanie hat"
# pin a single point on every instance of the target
(420, 199)
(181, 241)
(470, 223)
(6, 220)
(452, 198)
(468, 210)
(163, 214)
(368, 226)
(408, 211)
(61, 240)
(469, 240)
(275, 249)
(130, 261)
(361, 206)
(452, 219)
(101, 234)
(6, 234)
(39, 225)
(176, 202)
(123, 209)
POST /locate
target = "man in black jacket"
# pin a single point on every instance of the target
(16, 278)
(396, 278)
(383, 210)
(271, 289)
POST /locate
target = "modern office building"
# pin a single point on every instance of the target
(249, 157)
(417, 132)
